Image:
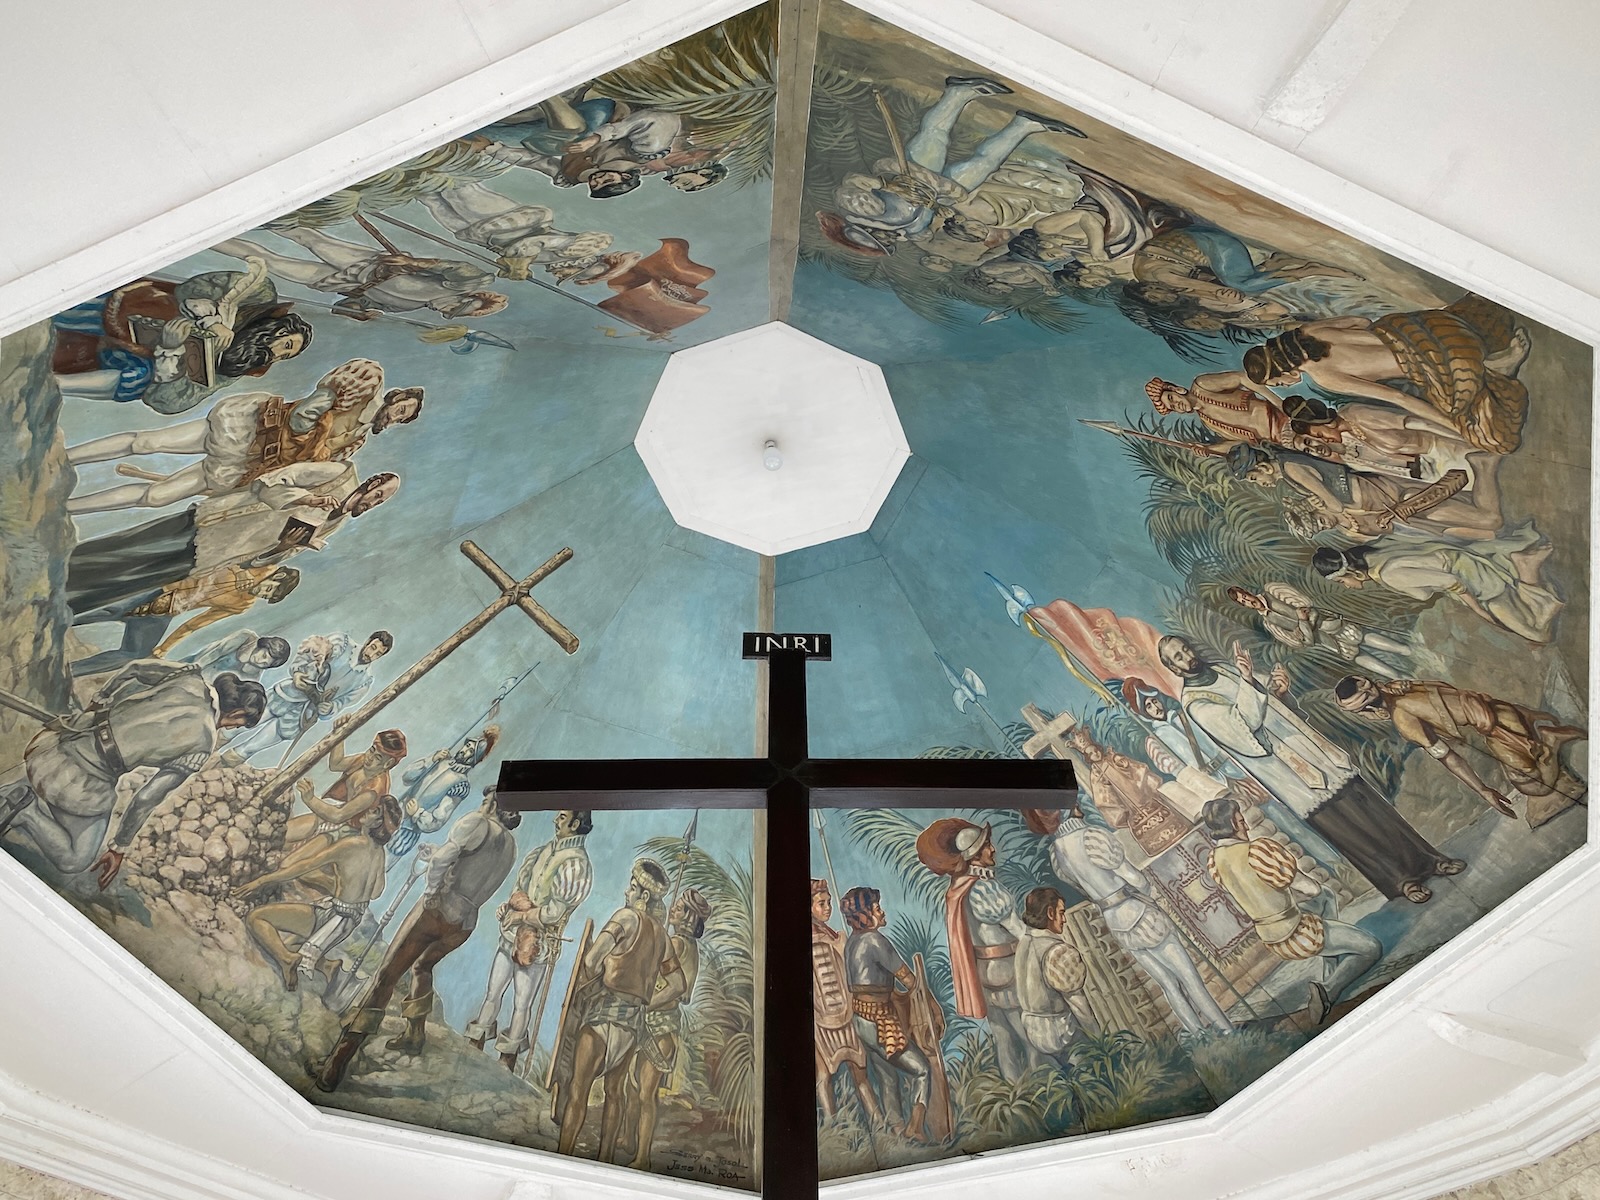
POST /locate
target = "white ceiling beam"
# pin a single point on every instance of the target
(1305, 96)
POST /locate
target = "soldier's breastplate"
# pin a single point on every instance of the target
(994, 949)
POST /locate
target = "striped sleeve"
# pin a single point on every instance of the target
(569, 888)
(1103, 849)
(1273, 864)
(1064, 969)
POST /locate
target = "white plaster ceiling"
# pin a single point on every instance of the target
(1460, 139)
(828, 415)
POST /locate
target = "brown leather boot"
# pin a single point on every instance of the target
(508, 1060)
(330, 1074)
(477, 1042)
(415, 1010)
(917, 1123)
(411, 1039)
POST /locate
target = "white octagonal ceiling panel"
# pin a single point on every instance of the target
(837, 442)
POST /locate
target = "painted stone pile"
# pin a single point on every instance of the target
(208, 837)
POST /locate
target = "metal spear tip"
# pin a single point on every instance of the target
(1018, 599)
(969, 688)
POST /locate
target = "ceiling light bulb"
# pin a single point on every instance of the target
(770, 457)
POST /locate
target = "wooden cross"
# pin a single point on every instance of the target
(787, 784)
(1049, 733)
(512, 592)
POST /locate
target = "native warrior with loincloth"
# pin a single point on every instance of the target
(553, 881)
(152, 713)
(463, 873)
(362, 784)
(1461, 362)
(1237, 410)
(1443, 719)
(1319, 494)
(345, 873)
(663, 1020)
(837, 1042)
(245, 436)
(614, 982)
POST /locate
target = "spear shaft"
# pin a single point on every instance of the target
(549, 287)
(1204, 448)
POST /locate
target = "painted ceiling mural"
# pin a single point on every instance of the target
(257, 475)
(1281, 540)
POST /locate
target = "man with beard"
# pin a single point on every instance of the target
(463, 873)
(435, 785)
(171, 345)
(244, 437)
(1314, 779)
(1443, 719)
(553, 881)
(520, 236)
(904, 199)
(348, 872)
(983, 929)
(328, 674)
(285, 512)
(152, 714)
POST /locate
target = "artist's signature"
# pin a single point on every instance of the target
(713, 1166)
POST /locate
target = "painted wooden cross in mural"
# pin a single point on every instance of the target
(787, 784)
(513, 592)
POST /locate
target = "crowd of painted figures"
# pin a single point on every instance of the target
(1211, 856)
(269, 480)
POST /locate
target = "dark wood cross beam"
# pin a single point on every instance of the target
(787, 783)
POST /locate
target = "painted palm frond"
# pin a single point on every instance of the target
(451, 165)
(720, 81)
(721, 1014)
(890, 837)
